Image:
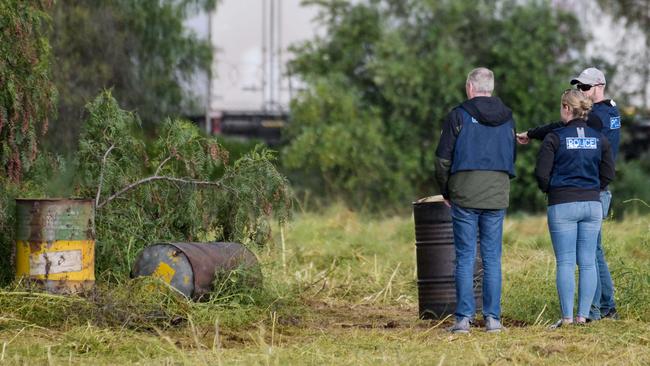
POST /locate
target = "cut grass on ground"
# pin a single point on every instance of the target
(345, 295)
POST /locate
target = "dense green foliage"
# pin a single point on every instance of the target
(140, 48)
(350, 153)
(385, 74)
(631, 192)
(27, 95)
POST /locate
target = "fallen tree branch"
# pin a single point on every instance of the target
(155, 178)
(101, 174)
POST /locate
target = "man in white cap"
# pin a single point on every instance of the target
(604, 117)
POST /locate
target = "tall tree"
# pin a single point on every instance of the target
(139, 48)
(27, 95)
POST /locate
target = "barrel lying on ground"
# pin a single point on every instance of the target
(435, 256)
(55, 243)
(191, 268)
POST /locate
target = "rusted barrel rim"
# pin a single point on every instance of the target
(49, 199)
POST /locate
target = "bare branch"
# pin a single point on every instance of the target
(155, 178)
(101, 174)
(161, 165)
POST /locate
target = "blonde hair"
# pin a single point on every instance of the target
(579, 104)
(482, 79)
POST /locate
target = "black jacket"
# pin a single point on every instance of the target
(545, 163)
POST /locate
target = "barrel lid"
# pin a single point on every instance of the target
(167, 262)
(430, 199)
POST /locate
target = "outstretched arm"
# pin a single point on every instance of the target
(538, 133)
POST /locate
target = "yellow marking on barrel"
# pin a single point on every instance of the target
(164, 272)
(33, 254)
(186, 280)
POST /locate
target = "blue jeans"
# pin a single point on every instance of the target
(488, 224)
(574, 228)
(603, 301)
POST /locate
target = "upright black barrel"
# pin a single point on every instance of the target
(435, 254)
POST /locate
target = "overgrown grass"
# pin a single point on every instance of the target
(343, 291)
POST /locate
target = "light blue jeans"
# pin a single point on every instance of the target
(574, 229)
(468, 223)
(603, 301)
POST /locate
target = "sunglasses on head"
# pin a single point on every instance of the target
(586, 87)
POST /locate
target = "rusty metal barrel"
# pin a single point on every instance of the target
(191, 268)
(435, 257)
(55, 243)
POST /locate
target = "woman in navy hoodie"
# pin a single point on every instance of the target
(574, 163)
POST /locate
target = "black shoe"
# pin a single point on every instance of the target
(613, 314)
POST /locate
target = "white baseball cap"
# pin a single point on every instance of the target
(590, 76)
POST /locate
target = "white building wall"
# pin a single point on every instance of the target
(239, 81)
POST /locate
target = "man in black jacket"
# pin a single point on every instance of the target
(604, 117)
(474, 163)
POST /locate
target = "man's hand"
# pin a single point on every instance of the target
(522, 138)
(447, 203)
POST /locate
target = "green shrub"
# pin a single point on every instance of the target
(183, 186)
(334, 139)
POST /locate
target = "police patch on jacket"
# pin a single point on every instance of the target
(573, 143)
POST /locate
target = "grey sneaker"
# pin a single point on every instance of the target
(493, 325)
(460, 326)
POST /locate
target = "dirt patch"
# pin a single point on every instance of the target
(327, 317)
(362, 316)
(388, 317)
